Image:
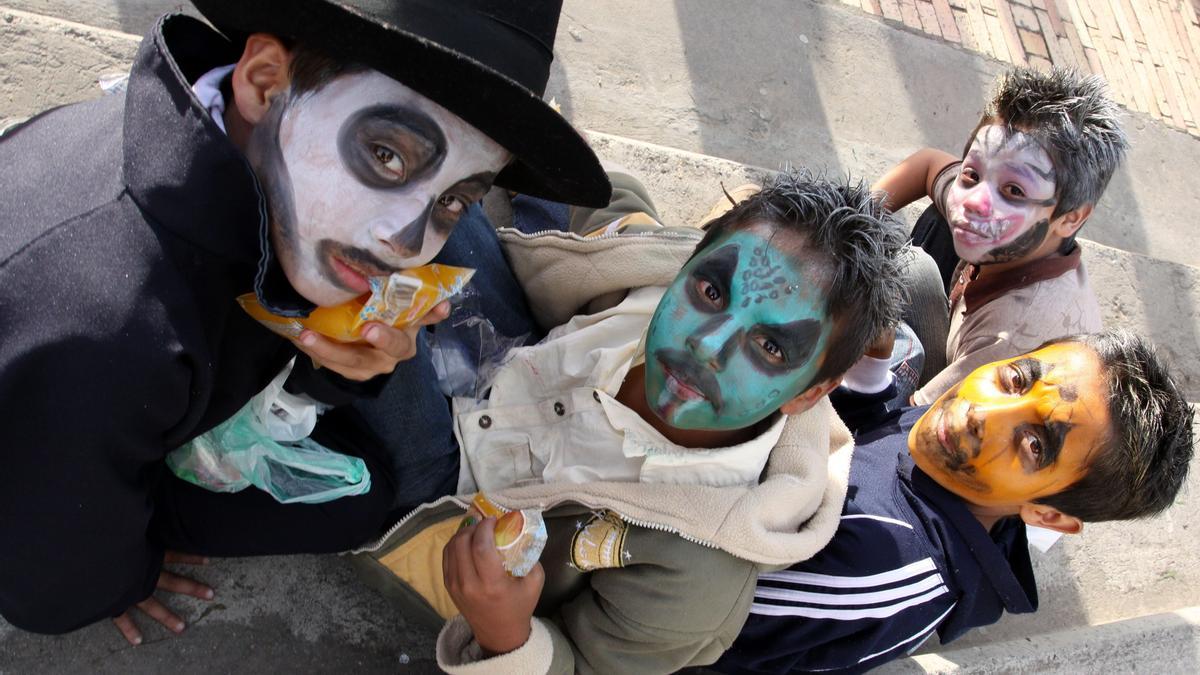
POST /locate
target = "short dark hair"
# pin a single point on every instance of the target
(1144, 461)
(1074, 120)
(847, 228)
(313, 68)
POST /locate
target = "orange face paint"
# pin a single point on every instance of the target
(1016, 430)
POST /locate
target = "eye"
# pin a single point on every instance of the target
(455, 205)
(1032, 446)
(709, 291)
(968, 176)
(388, 159)
(1013, 379)
(1014, 192)
(772, 350)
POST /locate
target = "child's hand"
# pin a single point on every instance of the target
(167, 581)
(498, 607)
(384, 349)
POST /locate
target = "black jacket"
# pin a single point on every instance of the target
(128, 225)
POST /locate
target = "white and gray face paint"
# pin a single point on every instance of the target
(999, 209)
(365, 177)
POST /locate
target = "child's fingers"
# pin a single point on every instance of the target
(159, 612)
(458, 564)
(398, 343)
(535, 579)
(178, 584)
(128, 628)
(488, 563)
(439, 312)
(333, 354)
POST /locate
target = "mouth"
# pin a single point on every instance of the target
(978, 233)
(686, 381)
(350, 268)
(349, 277)
(679, 388)
(943, 435)
(952, 437)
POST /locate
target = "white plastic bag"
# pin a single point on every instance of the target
(266, 445)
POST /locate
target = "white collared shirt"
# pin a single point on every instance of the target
(208, 91)
(552, 415)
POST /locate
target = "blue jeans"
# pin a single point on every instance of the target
(411, 419)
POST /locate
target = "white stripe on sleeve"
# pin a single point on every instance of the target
(846, 614)
(910, 570)
(924, 632)
(849, 599)
(882, 519)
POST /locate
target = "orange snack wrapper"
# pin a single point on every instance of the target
(520, 535)
(398, 300)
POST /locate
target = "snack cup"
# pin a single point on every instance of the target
(520, 535)
(398, 300)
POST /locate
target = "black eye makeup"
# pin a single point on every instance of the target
(1020, 375)
(716, 269)
(1030, 443)
(1039, 446)
(386, 146)
(454, 202)
(795, 343)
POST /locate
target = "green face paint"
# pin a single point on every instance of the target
(739, 333)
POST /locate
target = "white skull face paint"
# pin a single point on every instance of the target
(1000, 206)
(365, 177)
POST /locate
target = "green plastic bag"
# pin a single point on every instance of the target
(240, 452)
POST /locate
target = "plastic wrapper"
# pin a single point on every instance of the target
(113, 83)
(520, 535)
(466, 349)
(240, 452)
(399, 300)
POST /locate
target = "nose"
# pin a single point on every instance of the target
(1001, 415)
(973, 422)
(714, 342)
(404, 237)
(978, 200)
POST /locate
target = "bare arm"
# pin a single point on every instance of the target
(913, 178)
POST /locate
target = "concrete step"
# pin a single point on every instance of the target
(1165, 644)
(824, 85)
(134, 17)
(289, 614)
(309, 612)
(808, 83)
(45, 62)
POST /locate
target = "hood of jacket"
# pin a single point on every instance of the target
(564, 274)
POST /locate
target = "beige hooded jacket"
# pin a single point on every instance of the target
(640, 578)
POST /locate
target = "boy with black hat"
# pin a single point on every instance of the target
(345, 141)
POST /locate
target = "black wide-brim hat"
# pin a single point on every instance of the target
(486, 61)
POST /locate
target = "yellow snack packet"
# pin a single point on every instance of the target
(399, 300)
(520, 535)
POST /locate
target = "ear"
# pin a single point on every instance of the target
(1069, 223)
(1050, 518)
(809, 397)
(263, 72)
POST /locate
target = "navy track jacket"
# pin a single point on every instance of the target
(908, 559)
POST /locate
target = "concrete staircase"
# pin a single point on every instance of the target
(683, 83)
